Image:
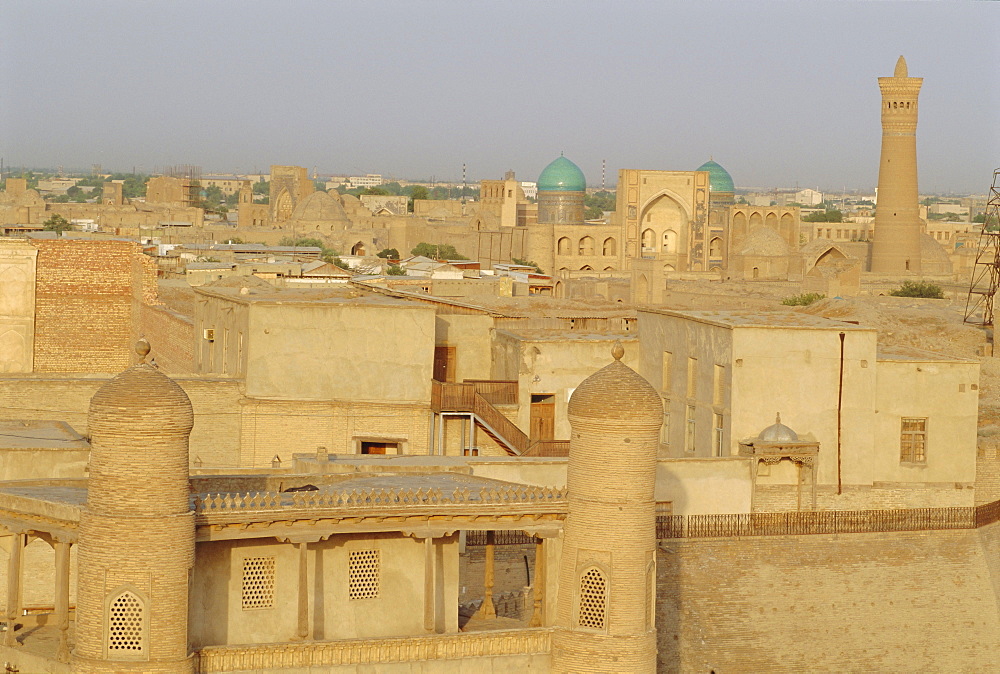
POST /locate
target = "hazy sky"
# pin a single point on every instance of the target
(780, 93)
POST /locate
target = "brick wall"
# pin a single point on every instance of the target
(87, 295)
(782, 498)
(171, 337)
(987, 474)
(924, 601)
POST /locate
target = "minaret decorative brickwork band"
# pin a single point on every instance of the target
(896, 244)
(136, 546)
(605, 613)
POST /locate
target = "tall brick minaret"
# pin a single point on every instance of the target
(896, 245)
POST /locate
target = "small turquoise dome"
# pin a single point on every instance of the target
(719, 180)
(562, 175)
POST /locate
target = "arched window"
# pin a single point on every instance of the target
(647, 240)
(715, 247)
(670, 241)
(563, 246)
(586, 267)
(127, 625)
(283, 205)
(610, 247)
(358, 248)
(593, 599)
(587, 246)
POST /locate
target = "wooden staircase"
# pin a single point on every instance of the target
(478, 398)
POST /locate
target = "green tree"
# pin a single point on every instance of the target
(825, 216)
(526, 263)
(438, 251)
(57, 223)
(261, 192)
(805, 299)
(375, 190)
(388, 254)
(395, 270)
(919, 289)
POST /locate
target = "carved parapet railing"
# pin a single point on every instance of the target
(374, 651)
(826, 522)
(348, 499)
(988, 513)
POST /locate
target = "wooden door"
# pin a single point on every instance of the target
(444, 363)
(543, 417)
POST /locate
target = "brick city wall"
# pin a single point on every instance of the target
(86, 298)
(282, 428)
(215, 438)
(171, 338)
(915, 601)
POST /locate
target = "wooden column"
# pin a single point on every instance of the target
(14, 587)
(302, 632)
(430, 586)
(488, 610)
(538, 587)
(62, 598)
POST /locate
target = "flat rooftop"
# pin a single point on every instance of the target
(50, 435)
(897, 352)
(338, 294)
(761, 319)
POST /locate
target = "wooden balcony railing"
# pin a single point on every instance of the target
(496, 392)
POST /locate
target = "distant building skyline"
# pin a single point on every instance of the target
(779, 93)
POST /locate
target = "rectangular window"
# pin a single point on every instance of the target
(363, 569)
(913, 440)
(719, 385)
(692, 385)
(689, 431)
(258, 582)
(225, 351)
(668, 360)
(717, 436)
(239, 353)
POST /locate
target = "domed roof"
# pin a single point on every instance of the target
(562, 175)
(778, 432)
(140, 400)
(764, 241)
(719, 180)
(319, 206)
(617, 392)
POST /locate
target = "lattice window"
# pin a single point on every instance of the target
(125, 633)
(913, 441)
(593, 599)
(364, 567)
(258, 582)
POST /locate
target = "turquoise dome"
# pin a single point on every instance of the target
(719, 180)
(562, 175)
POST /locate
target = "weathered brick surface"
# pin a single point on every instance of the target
(900, 602)
(88, 296)
(987, 475)
(171, 337)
